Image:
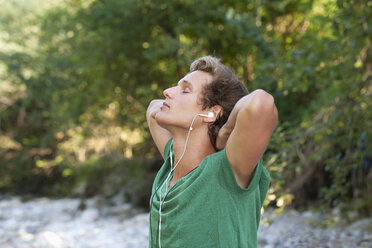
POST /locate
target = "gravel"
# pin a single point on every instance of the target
(65, 223)
(294, 229)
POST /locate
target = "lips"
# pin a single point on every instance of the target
(165, 105)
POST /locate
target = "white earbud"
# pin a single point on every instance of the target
(210, 114)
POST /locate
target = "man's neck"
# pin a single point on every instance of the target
(198, 147)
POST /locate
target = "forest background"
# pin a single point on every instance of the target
(76, 77)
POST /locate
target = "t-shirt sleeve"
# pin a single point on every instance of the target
(163, 169)
(229, 179)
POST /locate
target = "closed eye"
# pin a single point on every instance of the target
(186, 90)
(185, 86)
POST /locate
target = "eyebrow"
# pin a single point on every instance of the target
(186, 82)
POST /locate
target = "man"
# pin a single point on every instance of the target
(212, 135)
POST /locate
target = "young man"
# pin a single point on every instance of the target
(212, 135)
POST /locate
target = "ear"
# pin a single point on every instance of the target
(217, 112)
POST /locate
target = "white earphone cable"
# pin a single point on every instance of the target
(166, 180)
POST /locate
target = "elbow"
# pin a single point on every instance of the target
(153, 106)
(262, 102)
(150, 109)
(152, 103)
(262, 105)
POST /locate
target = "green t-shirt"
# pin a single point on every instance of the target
(206, 207)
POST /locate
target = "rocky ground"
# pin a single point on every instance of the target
(65, 223)
(303, 230)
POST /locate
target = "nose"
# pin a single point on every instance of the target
(168, 93)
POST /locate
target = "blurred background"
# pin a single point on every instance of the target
(76, 77)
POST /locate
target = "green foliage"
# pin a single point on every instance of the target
(76, 78)
(323, 93)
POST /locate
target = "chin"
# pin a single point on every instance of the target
(162, 120)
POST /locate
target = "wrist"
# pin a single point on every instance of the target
(224, 132)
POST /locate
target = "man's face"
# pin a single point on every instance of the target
(182, 102)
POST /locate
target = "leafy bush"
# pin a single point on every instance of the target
(77, 76)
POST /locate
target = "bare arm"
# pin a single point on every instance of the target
(247, 133)
(159, 134)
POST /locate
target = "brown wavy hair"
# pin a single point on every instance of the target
(225, 90)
